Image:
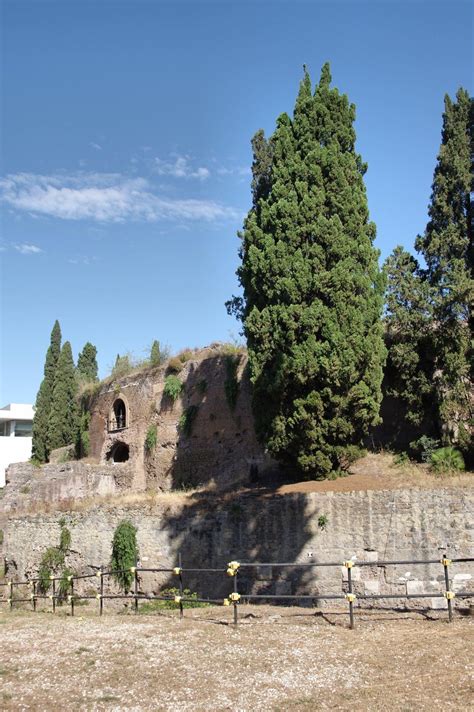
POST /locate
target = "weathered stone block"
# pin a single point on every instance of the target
(414, 587)
(372, 587)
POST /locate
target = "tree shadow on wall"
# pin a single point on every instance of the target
(240, 517)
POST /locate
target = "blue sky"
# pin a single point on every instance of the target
(125, 159)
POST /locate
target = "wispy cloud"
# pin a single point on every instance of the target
(103, 197)
(96, 146)
(235, 171)
(180, 167)
(27, 249)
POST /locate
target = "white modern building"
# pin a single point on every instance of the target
(16, 424)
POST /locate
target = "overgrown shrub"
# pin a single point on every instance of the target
(174, 365)
(447, 459)
(424, 447)
(150, 439)
(124, 554)
(173, 387)
(401, 459)
(53, 558)
(231, 384)
(187, 419)
(64, 585)
(185, 355)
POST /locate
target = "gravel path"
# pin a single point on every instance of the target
(277, 659)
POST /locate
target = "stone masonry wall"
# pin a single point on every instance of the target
(212, 530)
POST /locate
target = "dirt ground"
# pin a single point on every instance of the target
(276, 659)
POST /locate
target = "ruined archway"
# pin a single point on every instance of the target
(119, 452)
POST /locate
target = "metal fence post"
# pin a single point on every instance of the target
(72, 596)
(136, 589)
(54, 595)
(449, 594)
(350, 595)
(34, 596)
(236, 615)
(181, 609)
(101, 602)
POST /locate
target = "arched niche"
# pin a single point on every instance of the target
(119, 415)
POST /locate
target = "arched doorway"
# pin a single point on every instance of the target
(119, 452)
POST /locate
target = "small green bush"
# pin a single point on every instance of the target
(64, 585)
(401, 459)
(64, 539)
(187, 419)
(52, 559)
(173, 387)
(323, 521)
(175, 365)
(151, 439)
(447, 459)
(124, 554)
(424, 447)
(185, 355)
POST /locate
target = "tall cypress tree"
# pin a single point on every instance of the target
(410, 361)
(40, 446)
(447, 247)
(312, 289)
(87, 368)
(62, 424)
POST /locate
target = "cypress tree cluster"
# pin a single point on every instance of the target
(58, 420)
(430, 320)
(313, 292)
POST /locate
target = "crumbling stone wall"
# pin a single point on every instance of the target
(221, 448)
(211, 530)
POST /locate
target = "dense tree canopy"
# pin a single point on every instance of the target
(430, 308)
(312, 289)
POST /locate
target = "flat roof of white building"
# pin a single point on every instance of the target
(17, 411)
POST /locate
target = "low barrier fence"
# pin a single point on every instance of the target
(235, 597)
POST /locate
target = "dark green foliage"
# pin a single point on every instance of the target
(424, 447)
(447, 248)
(155, 355)
(409, 370)
(172, 388)
(87, 368)
(150, 439)
(64, 587)
(40, 444)
(187, 419)
(64, 539)
(82, 443)
(53, 558)
(124, 554)
(429, 319)
(312, 288)
(447, 459)
(63, 417)
(231, 383)
(122, 366)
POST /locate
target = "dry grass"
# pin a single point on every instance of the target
(277, 659)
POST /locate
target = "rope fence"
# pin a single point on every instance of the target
(235, 597)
